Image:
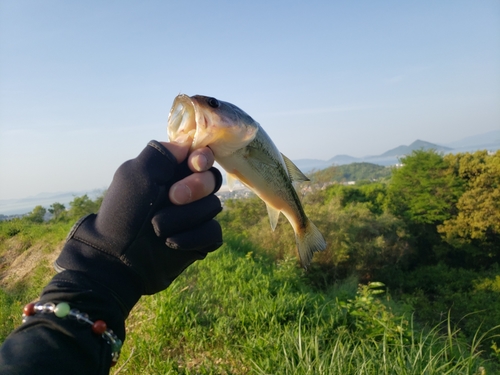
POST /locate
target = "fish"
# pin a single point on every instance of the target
(245, 151)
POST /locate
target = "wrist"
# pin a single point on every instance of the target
(104, 273)
(88, 296)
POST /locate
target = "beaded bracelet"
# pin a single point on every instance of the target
(63, 310)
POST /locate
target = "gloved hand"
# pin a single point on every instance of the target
(139, 242)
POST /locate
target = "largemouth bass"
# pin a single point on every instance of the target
(242, 147)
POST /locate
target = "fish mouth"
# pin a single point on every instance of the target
(182, 120)
(187, 121)
(193, 119)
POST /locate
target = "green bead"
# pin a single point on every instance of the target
(61, 310)
(117, 345)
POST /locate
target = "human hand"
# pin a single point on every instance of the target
(196, 185)
(155, 220)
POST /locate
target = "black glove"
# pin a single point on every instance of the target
(139, 242)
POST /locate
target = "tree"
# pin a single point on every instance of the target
(98, 200)
(57, 209)
(37, 214)
(475, 225)
(371, 193)
(424, 191)
(81, 206)
(240, 214)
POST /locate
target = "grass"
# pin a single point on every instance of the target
(238, 313)
(20, 234)
(241, 312)
(25, 250)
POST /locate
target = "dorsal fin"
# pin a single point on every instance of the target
(294, 171)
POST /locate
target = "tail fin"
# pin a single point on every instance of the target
(308, 242)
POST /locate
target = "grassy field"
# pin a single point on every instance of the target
(237, 313)
(241, 312)
(27, 251)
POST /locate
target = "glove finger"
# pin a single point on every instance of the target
(218, 179)
(136, 186)
(175, 219)
(203, 239)
(183, 171)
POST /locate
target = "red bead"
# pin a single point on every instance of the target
(29, 309)
(99, 327)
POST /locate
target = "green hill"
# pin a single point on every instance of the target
(351, 172)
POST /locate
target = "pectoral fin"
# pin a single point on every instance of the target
(274, 215)
(231, 181)
(256, 154)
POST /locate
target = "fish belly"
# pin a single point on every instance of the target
(269, 183)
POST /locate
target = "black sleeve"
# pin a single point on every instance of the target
(46, 344)
(137, 244)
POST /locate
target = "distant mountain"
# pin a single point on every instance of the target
(387, 158)
(489, 138)
(343, 159)
(417, 145)
(309, 164)
(487, 141)
(306, 165)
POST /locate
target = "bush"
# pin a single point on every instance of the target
(37, 215)
(359, 241)
(81, 206)
(472, 299)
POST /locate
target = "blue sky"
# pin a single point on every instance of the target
(85, 85)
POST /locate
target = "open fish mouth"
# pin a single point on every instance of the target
(182, 120)
(207, 121)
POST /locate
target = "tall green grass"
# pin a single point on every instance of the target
(20, 237)
(20, 234)
(241, 312)
(237, 313)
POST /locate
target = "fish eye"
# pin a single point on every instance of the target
(214, 103)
